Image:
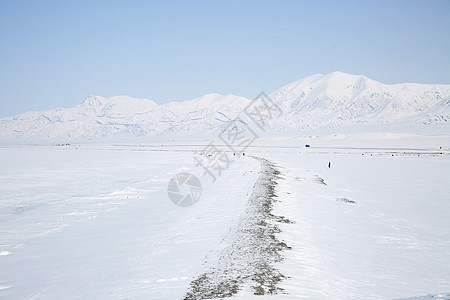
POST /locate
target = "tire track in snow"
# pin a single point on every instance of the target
(252, 247)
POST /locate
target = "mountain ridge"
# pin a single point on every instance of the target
(330, 100)
(340, 99)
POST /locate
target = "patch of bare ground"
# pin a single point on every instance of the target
(253, 247)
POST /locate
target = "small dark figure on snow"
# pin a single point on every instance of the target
(329, 165)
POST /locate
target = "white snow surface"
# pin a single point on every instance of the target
(378, 229)
(318, 101)
(94, 221)
(98, 223)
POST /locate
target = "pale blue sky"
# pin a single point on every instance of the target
(56, 53)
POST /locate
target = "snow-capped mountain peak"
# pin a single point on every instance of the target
(316, 101)
(341, 99)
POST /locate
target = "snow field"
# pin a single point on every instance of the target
(394, 242)
(97, 224)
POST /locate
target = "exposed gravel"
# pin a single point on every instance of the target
(253, 247)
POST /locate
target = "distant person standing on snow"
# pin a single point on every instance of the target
(329, 165)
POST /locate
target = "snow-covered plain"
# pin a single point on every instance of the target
(95, 222)
(98, 224)
(376, 227)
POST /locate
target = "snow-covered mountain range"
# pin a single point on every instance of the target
(317, 101)
(343, 99)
